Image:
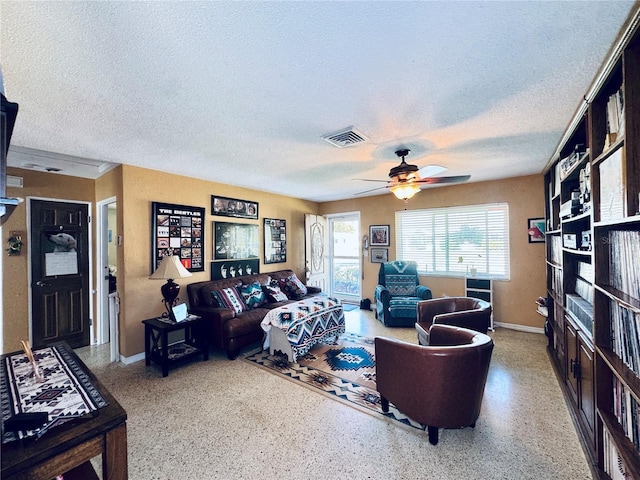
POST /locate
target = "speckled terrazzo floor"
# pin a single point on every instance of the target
(226, 419)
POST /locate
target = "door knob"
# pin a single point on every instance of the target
(40, 283)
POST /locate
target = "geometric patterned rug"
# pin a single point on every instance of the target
(344, 370)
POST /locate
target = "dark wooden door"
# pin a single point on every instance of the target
(60, 273)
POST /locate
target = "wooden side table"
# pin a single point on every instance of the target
(156, 343)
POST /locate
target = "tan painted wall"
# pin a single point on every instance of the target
(15, 292)
(140, 297)
(514, 299)
(135, 188)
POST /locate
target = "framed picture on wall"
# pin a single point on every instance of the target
(379, 235)
(234, 268)
(275, 240)
(235, 241)
(379, 255)
(536, 230)
(177, 230)
(233, 207)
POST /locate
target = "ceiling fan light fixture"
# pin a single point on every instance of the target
(404, 191)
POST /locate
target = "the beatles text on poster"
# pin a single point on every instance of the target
(275, 240)
(178, 230)
(236, 250)
(232, 207)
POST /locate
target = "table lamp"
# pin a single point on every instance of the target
(170, 267)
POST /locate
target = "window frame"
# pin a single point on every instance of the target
(442, 223)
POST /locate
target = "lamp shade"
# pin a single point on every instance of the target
(405, 191)
(170, 267)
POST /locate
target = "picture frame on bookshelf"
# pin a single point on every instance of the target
(536, 230)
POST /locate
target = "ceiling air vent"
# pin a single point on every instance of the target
(345, 137)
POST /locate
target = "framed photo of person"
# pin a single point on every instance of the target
(379, 235)
(177, 230)
(275, 240)
(234, 268)
(232, 207)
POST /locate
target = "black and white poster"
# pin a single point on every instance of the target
(275, 240)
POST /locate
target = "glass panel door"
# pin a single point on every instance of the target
(344, 257)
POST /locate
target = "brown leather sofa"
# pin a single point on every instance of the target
(440, 385)
(465, 312)
(228, 330)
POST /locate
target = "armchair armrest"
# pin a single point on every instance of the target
(312, 289)
(477, 320)
(423, 292)
(382, 293)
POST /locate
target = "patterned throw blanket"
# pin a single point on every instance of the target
(65, 391)
(306, 322)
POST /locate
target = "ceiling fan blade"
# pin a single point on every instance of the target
(453, 179)
(372, 190)
(431, 171)
(369, 180)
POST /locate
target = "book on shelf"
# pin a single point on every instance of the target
(615, 117)
(613, 464)
(581, 310)
(584, 289)
(624, 252)
(625, 335)
(555, 247)
(611, 188)
(585, 271)
(627, 411)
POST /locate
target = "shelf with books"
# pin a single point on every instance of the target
(592, 184)
(618, 452)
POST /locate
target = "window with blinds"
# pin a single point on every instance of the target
(456, 241)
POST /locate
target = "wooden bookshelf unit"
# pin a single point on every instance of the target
(592, 209)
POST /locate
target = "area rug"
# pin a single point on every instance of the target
(344, 370)
(348, 307)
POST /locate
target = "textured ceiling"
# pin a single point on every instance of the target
(242, 92)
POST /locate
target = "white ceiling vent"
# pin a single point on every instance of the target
(345, 137)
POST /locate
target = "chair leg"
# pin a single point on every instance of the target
(473, 425)
(433, 435)
(384, 403)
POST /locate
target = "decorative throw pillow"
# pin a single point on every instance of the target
(253, 295)
(293, 287)
(229, 298)
(274, 293)
(400, 285)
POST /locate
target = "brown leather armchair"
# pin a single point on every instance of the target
(440, 385)
(465, 312)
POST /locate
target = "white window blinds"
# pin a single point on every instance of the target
(452, 241)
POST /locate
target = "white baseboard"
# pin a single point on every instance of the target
(521, 328)
(132, 359)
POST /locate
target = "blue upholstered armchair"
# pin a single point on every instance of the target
(398, 293)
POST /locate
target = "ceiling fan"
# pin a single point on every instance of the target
(406, 181)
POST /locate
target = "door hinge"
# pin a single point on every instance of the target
(90, 321)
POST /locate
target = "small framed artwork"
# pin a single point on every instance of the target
(275, 240)
(232, 207)
(536, 230)
(379, 235)
(379, 255)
